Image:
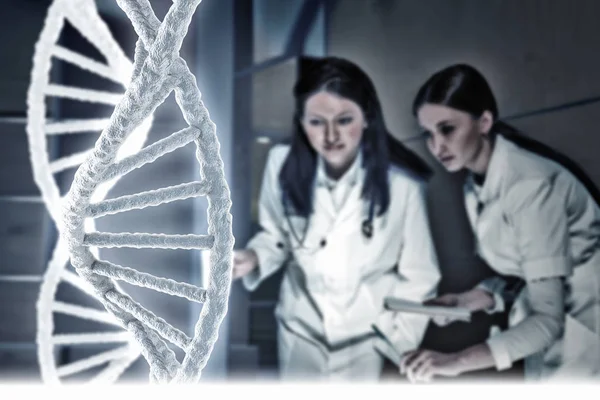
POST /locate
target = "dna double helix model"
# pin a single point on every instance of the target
(157, 71)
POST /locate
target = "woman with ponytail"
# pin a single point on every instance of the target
(535, 216)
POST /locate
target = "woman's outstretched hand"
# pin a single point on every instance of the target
(244, 261)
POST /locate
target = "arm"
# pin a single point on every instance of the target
(270, 244)
(533, 334)
(418, 276)
(538, 330)
(540, 222)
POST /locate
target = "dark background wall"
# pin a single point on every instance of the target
(541, 57)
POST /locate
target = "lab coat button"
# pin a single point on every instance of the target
(279, 245)
(323, 242)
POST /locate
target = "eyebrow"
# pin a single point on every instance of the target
(439, 124)
(309, 114)
(444, 122)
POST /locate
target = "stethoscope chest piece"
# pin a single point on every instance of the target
(367, 229)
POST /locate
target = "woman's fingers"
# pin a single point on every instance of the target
(446, 300)
(239, 268)
(433, 302)
(239, 256)
(413, 364)
(406, 358)
(236, 272)
(449, 300)
(422, 371)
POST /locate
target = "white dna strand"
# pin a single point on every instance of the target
(82, 16)
(110, 160)
(158, 70)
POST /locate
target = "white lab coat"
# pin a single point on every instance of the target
(333, 288)
(533, 219)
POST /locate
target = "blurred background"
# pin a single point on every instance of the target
(541, 57)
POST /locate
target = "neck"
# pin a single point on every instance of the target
(481, 160)
(335, 172)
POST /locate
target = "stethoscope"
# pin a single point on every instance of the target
(366, 226)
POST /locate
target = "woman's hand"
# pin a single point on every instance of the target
(244, 261)
(473, 300)
(423, 365)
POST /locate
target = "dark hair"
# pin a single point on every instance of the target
(379, 147)
(464, 88)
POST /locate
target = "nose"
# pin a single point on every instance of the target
(437, 145)
(331, 133)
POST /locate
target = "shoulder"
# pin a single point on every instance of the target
(276, 157)
(533, 180)
(279, 152)
(523, 165)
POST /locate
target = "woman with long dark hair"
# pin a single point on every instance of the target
(536, 216)
(343, 209)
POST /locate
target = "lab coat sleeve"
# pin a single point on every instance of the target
(536, 332)
(540, 222)
(417, 278)
(538, 213)
(270, 244)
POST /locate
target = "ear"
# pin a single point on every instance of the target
(485, 122)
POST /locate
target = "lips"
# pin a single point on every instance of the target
(446, 159)
(333, 147)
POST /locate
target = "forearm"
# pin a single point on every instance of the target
(534, 334)
(475, 358)
(538, 331)
(516, 344)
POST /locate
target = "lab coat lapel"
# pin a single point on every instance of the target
(353, 202)
(490, 192)
(324, 202)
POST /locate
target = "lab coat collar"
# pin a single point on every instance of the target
(495, 172)
(349, 178)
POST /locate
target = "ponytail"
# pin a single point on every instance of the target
(514, 135)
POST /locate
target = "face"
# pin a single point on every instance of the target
(454, 137)
(334, 127)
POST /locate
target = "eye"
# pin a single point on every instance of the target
(314, 122)
(446, 129)
(426, 135)
(345, 120)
